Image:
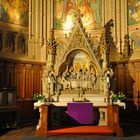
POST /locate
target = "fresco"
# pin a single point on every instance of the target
(137, 42)
(14, 11)
(133, 12)
(91, 10)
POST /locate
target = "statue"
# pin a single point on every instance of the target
(59, 83)
(51, 83)
(107, 75)
(93, 80)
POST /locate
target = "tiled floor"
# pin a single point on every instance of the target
(130, 129)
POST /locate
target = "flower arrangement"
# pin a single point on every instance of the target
(39, 97)
(117, 97)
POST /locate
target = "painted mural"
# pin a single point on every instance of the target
(134, 12)
(137, 41)
(91, 10)
(14, 11)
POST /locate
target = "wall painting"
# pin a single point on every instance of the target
(133, 12)
(137, 41)
(91, 10)
(14, 11)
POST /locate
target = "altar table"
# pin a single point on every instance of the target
(82, 112)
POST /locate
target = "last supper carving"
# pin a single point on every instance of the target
(78, 69)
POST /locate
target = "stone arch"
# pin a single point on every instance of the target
(21, 43)
(70, 60)
(10, 41)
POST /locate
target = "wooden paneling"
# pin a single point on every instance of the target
(9, 74)
(29, 81)
(120, 79)
(37, 79)
(20, 80)
(136, 84)
(128, 87)
(127, 76)
(26, 77)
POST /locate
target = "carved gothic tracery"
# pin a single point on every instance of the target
(51, 47)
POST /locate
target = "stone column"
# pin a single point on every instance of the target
(31, 47)
(41, 22)
(51, 14)
(44, 30)
(123, 21)
(48, 18)
(118, 26)
(103, 12)
(30, 19)
(45, 21)
(113, 16)
(106, 11)
(37, 25)
(116, 10)
(109, 8)
(37, 29)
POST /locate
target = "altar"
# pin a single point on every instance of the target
(82, 112)
(98, 110)
(108, 114)
(79, 72)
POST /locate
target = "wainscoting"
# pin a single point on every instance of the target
(26, 77)
(127, 80)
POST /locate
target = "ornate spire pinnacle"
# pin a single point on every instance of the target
(51, 53)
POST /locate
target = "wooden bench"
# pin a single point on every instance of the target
(112, 129)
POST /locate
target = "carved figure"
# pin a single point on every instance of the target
(59, 83)
(51, 82)
(107, 75)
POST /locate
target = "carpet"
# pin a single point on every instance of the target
(82, 138)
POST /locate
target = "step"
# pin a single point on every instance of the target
(82, 130)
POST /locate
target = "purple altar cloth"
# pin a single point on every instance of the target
(82, 112)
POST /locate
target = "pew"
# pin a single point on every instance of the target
(111, 129)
